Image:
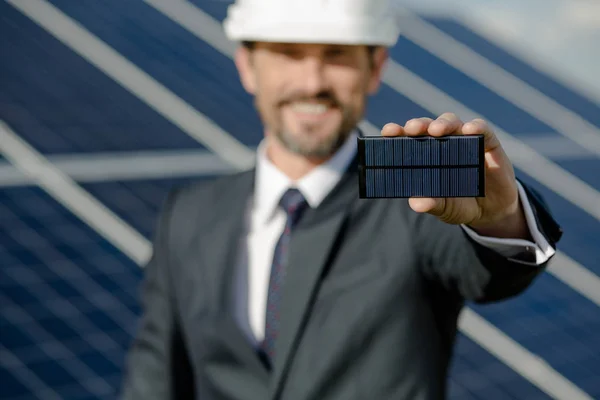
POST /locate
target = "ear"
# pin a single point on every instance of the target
(243, 62)
(380, 57)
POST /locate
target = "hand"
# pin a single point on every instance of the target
(497, 214)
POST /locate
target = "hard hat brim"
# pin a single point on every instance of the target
(344, 32)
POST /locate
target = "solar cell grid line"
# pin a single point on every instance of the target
(79, 371)
(376, 176)
(34, 229)
(447, 184)
(25, 376)
(470, 181)
(86, 286)
(405, 176)
(68, 314)
(76, 391)
(121, 280)
(80, 346)
(426, 181)
(452, 183)
(380, 188)
(389, 155)
(389, 184)
(464, 179)
(458, 181)
(507, 85)
(383, 182)
(444, 154)
(71, 391)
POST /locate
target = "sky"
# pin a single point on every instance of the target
(563, 34)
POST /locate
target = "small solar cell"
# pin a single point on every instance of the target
(425, 166)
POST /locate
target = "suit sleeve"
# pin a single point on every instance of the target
(474, 271)
(534, 252)
(157, 366)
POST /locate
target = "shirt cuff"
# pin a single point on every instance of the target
(519, 250)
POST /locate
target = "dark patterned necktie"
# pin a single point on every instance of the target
(294, 204)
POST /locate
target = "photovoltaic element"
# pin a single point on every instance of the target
(425, 166)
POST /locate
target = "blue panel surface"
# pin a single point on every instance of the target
(69, 302)
(68, 105)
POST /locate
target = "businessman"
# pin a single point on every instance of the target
(279, 282)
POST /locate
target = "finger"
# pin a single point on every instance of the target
(417, 126)
(445, 124)
(434, 206)
(480, 127)
(392, 129)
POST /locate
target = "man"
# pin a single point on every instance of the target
(279, 282)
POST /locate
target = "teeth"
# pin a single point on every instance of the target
(309, 108)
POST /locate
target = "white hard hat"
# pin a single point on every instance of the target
(368, 22)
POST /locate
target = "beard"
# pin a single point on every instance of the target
(303, 144)
(307, 141)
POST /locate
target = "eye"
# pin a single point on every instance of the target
(335, 52)
(288, 51)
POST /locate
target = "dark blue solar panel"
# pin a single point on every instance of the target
(137, 201)
(581, 231)
(69, 302)
(192, 69)
(475, 374)
(60, 103)
(540, 81)
(557, 322)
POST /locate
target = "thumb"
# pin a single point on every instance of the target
(434, 206)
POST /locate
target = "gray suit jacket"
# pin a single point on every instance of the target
(370, 306)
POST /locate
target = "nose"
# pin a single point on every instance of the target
(312, 76)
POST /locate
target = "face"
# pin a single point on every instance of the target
(310, 96)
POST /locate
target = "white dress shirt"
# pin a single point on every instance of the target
(266, 222)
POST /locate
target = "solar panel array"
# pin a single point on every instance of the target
(69, 296)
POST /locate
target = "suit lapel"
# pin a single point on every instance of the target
(313, 243)
(218, 245)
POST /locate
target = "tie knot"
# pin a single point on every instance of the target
(293, 202)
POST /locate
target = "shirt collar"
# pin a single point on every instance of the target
(271, 183)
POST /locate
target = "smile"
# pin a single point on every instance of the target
(314, 109)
